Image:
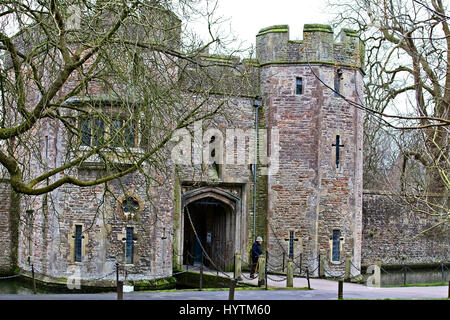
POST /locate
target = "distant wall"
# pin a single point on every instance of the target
(389, 226)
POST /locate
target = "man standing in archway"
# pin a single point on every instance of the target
(256, 252)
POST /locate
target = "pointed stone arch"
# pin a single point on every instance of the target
(223, 224)
(221, 195)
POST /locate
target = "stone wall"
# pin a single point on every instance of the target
(104, 228)
(5, 240)
(9, 229)
(391, 232)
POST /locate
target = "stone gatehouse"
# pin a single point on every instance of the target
(304, 196)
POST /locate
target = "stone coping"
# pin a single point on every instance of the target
(274, 28)
(394, 193)
(417, 266)
(317, 28)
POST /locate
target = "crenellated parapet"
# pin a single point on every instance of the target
(221, 74)
(318, 46)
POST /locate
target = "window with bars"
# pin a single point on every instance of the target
(124, 133)
(129, 246)
(78, 242)
(94, 131)
(336, 245)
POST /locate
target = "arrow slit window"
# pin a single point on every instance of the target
(78, 240)
(299, 86)
(336, 245)
(338, 83)
(129, 246)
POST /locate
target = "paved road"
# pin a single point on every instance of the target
(323, 290)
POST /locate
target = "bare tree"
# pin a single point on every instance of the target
(113, 80)
(407, 95)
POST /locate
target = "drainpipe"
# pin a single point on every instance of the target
(256, 102)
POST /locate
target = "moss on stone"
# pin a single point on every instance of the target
(314, 62)
(155, 284)
(275, 28)
(220, 58)
(317, 28)
(350, 32)
(252, 62)
(192, 280)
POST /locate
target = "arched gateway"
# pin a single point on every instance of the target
(210, 215)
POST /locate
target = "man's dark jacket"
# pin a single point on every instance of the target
(256, 251)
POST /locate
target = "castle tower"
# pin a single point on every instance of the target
(315, 197)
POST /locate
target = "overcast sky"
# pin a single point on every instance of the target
(247, 17)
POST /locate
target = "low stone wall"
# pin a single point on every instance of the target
(45, 284)
(192, 280)
(391, 232)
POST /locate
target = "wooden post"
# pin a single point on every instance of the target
(340, 290)
(237, 266)
(201, 277)
(119, 290)
(261, 270)
(289, 274)
(265, 271)
(232, 287)
(34, 281)
(404, 275)
(348, 268)
(449, 289)
(119, 284)
(307, 277)
(318, 268)
(321, 266)
(300, 265)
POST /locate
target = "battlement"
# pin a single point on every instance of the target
(318, 46)
(222, 74)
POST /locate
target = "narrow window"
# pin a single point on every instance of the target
(299, 86)
(116, 126)
(85, 127)
(130, 135)
(129, 246)
(99, 131)
(337, 82)
(336, 245)
(291, 244)
(338, 145)
(78, 239)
